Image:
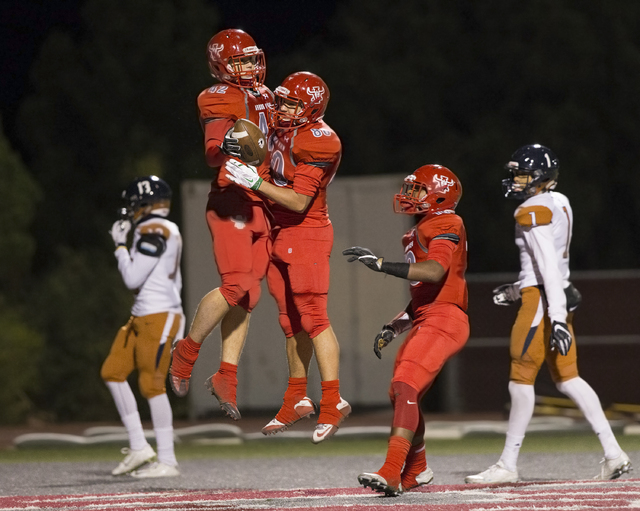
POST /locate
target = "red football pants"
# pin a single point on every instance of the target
(298, 278)
(240, 233)
(435, 337)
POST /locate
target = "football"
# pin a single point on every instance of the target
(253, 145)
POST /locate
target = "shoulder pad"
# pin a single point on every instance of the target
(532, 216)
(221, 101)
(317, 141)
(152, 244)
(155, 227)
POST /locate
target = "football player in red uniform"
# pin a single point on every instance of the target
(237, 218)
(436, 261)
(304, 157)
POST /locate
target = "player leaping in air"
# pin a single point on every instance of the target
(304, 156)
(237, 218)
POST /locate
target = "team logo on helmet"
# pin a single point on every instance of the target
(215, 50)
(444, 182)
(316, 92)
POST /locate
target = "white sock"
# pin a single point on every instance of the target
(587, 400)
(522, 403)
(128, 410)
(162, 419)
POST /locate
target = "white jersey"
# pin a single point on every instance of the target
(152, 267)
(543, 236)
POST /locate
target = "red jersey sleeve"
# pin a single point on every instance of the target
(441, 251)
(308, 179)
(221, 102)
(214, 132)
(443, 239)
(315, 155)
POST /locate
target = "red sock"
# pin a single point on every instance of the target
(396, 456)
(225, 382)
(184, 356)
(329, 414)
(415, 463)
(296, 390)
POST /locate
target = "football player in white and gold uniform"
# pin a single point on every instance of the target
(151, 269)
(543, 330)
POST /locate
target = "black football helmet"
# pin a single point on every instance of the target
(145, 191)
(538, 163)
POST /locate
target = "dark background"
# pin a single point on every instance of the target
(96, 92)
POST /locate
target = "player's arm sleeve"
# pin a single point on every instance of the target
(541, 241)
(136, 269)
(442, 247)
(214, 132)
(308, 177)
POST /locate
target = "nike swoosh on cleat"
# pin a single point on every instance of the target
(320, 435)
(412, 402)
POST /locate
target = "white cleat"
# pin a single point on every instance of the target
(421, 479)
(424, 477)
(378, 483)
(495, 474)
(324, 431)
(156, 469)
(134, 459)
(612, 469)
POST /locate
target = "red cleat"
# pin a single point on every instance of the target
(303, 409)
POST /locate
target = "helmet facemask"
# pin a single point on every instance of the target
(412, 199)
(288, 112)
(246, 70)
(525, 183)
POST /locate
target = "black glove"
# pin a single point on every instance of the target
(385, 336)
(560, 337)
(574, 298)
(230, 145)
(365, 256)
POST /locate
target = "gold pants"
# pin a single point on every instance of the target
(530, 342)
(144, 343)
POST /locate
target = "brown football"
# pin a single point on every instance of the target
(253, 145)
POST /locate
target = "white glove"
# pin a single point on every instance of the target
(119, 231)
(243, 175)
(506, 294)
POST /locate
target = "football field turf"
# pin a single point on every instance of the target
(271, 474)
(338, 446)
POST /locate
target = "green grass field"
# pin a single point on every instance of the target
(274, 447)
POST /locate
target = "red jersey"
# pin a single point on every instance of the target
(447, 228)
(220, 107)
(305, 159)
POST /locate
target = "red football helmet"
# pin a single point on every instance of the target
(430, 189)
(229, 52)
(307, 95)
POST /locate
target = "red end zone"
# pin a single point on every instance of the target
(566, 495)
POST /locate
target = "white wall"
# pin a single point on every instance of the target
(360, 301)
